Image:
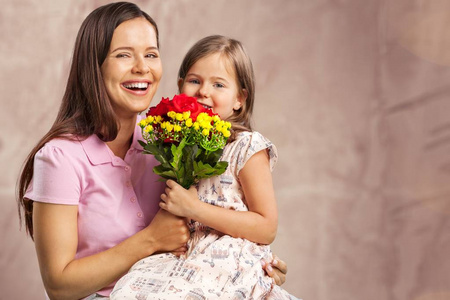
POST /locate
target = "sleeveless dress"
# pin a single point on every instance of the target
(217, 266)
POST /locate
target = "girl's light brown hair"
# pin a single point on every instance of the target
(86, 108)
(238, 58)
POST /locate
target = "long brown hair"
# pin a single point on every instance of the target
(85, 107)
(238, 58)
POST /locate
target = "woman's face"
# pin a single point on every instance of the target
(212, 81)
(132, 68)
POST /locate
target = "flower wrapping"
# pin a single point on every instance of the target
(186, 138)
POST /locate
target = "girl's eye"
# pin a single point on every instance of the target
(219, 85)
(194, 81)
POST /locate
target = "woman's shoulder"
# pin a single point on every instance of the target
(65, 141)
(66, 144)
(70, 147)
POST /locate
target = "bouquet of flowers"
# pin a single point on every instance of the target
(186, 138)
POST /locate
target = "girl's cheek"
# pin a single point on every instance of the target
(188, 92)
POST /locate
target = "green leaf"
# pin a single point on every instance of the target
(210, 157)
(177, 152)
(159, 154)
(202, 170)
(189, 154)
(142, 143)
(220, 167)
(166, 173)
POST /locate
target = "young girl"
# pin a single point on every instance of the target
(235, 213)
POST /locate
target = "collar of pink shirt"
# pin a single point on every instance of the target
(98, 152)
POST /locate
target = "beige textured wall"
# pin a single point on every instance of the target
(354, 93)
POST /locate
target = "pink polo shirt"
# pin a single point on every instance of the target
(116, 198)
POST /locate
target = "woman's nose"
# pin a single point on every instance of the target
(140, 67)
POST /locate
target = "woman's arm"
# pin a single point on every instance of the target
(56, 239)
(259, 224)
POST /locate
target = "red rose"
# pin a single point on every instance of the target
(210, 112)
(161, 109)
(182, 103)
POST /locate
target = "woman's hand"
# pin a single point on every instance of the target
(277, 269)
(177, 200)
(168, 232)
(180, 251)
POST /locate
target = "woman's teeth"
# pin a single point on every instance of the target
(136, 85)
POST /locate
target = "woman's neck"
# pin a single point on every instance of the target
(121, 144)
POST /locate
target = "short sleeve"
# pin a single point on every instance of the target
(54, 178)
(251, 143)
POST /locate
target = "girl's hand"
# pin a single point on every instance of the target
(177, 200)
(277, 269)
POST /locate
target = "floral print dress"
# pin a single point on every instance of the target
(217, 266)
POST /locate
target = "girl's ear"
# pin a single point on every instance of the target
(240, 100)
(180, 84)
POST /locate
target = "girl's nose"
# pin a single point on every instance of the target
(140, 67)
(203, 91)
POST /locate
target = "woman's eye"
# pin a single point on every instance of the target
(120, 55)
(152, 55)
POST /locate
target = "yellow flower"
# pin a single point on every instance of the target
(177, 128)
(203, 117)
(205, 132)
(189, 122)
(205, 124)
(226, 133)
(196, 126)
(186, 115)
(158, 119)
(169, 127)
(143, 123)
(148, 129)
(150, 119)
(165, 125)
(179, 117)
(216, 118)
(171, 114)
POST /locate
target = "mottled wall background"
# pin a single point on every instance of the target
(354, 93)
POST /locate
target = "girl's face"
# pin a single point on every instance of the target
(132, 68)
(213, 82)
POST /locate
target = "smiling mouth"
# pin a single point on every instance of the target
(205, 106)
(136, 86)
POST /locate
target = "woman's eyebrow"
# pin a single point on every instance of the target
(132, 49)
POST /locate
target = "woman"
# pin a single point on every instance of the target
(88, 195)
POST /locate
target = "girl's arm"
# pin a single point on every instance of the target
(259, 224)
(65, 277)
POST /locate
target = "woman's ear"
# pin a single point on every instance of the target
(180, 84)
(240, 101)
